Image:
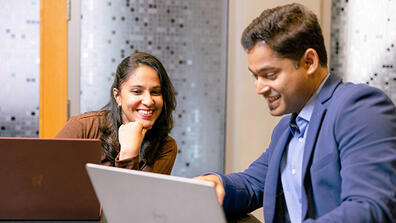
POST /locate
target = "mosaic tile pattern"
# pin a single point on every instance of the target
(363, 42)
(190, 39)
(19, 67)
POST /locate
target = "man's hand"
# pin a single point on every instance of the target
(220, 192)
(130, 136)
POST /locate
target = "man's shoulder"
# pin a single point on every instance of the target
(350, 93)
(356, 87)
(356, 105)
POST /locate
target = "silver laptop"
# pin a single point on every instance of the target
(45, 179)
(137, 196)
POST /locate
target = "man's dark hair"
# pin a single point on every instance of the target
(289, 30)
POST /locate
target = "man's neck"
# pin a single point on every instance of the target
(317, 80)
(321, 74)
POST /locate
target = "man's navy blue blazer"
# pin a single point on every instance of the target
(349, 164)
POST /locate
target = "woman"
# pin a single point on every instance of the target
(134, 126)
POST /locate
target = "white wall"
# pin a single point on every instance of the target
(249, 125)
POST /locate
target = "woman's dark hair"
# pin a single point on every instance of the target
(162, 126)
(289, 30)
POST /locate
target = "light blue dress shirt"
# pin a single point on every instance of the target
(291, 166)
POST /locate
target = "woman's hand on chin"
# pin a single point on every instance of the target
(130, 136)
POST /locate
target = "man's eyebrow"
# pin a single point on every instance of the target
(261, 70)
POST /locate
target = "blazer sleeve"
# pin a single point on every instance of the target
(365, 131)
(244, 190)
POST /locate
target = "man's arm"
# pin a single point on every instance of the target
(365, 131)
(241, 193)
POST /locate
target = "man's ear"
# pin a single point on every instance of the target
(310, 61)
(117, 96)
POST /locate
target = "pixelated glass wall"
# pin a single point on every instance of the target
(19, 67)
(363, 42)
(190, 39)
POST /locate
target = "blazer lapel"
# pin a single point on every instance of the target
(315, 124)
(270, 190)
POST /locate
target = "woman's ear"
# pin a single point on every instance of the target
(117, 96)
(310, 61)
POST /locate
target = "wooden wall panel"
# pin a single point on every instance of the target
(53, 67)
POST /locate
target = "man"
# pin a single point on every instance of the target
(334, 158)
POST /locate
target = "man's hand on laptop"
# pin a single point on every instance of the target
(220, 192)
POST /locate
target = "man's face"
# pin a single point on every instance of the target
(285, 87)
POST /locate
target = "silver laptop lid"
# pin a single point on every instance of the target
(136, 196)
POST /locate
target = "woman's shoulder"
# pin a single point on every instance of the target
(86, 125)
(169, 144)
(102, 114)
(90, 121)
(90, 117)
(170, 140)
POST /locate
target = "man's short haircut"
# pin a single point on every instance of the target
(289, 30)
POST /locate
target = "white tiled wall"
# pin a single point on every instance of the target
(190, 39)
(19, 67)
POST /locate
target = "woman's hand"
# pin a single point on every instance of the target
(130, 136)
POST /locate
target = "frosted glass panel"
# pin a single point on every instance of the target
(19, 67)
(363, 42)
(190, 39)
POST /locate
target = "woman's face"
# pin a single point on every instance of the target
(140, 97)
